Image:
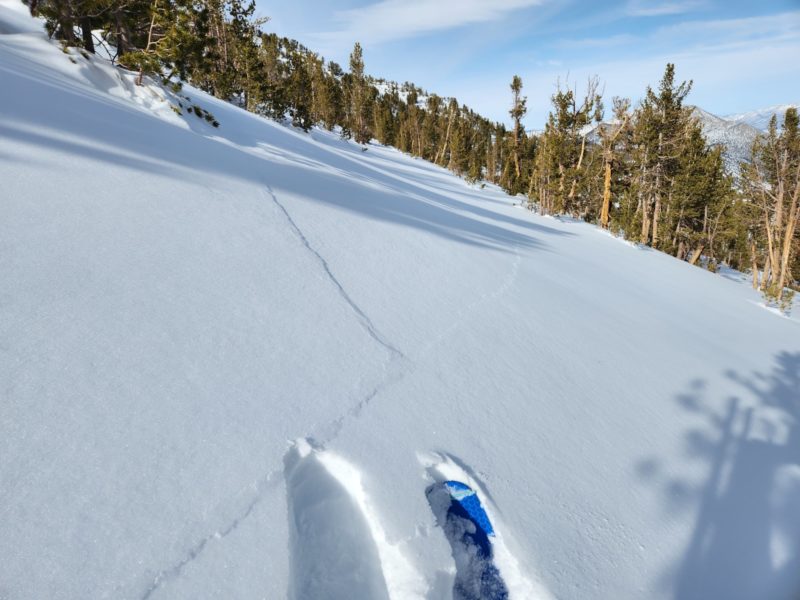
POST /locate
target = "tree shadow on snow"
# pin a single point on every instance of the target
(746, 538)
(103, 129)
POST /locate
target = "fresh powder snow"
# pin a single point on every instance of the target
(233, 359)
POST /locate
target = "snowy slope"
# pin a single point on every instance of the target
(233, 359)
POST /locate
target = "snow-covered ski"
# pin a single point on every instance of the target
(466, 525)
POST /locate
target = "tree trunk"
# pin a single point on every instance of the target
(122, 33)
(65, 22)
(645, 222)
(574, 185)
(696, 254)
(656, 214)
(788, 238)
(606, 196)
(490, 166)
(772, 262)
(681, 254)
(705, 221)
(755, 264)
(440, 154)
(530, 183)
(149, 40)
(86, 30)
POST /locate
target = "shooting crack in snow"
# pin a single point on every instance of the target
(325, 435)
(330, 431)
(267, 482)
(366, 322)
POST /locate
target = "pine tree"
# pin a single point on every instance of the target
(357, 98)
(661, 122)
(772, 184)
(560, 173)
(518, 110)
(696, 197)
(615, 142)
(458, 159)
(175, 43)
(333, 94)
(300, 94)
(444, 146)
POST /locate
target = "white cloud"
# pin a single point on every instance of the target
(748, 27)
(611, 41)
(690, 33)
(399, 19)
(640, 8)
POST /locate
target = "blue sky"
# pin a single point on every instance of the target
(741, 54)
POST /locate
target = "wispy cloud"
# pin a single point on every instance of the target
(643, 8)
(702, 32)
(611, 41)
(747, 27)
(392, 20)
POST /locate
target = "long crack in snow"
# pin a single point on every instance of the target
(397, 369)
(266, 483)
(365, 321)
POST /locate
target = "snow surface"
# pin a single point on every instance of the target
(233, 359)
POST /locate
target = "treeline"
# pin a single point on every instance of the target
(644, 172)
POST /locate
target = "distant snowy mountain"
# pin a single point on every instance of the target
(735, 137)
(736, 133)
(760, 118)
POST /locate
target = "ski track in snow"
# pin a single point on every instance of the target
(338, 547)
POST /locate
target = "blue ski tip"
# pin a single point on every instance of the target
(466, 497)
